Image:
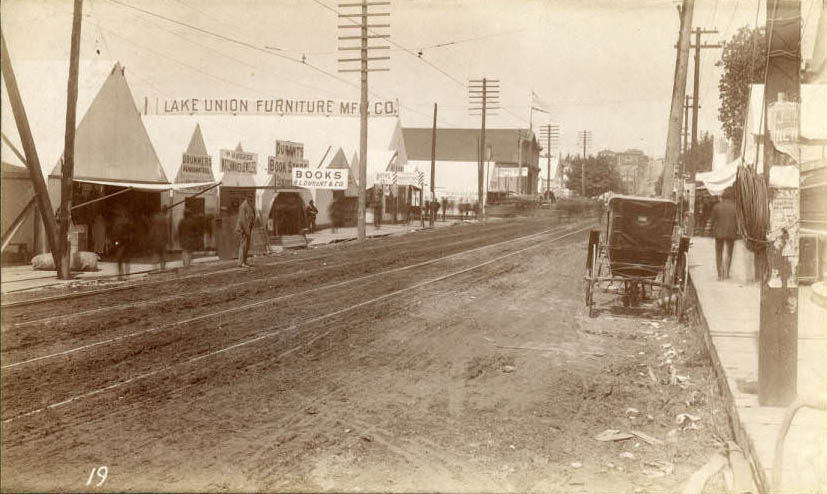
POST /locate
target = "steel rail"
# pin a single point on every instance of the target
(205, 291)
(276, 331)
(143, 283)
(259, 303)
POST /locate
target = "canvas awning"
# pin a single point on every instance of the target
(146, 187)
(720, 178)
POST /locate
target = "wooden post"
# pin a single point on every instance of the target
(433, 169)
(673, 138)
(68, 168)
(480, 198)
(44, 204)
(778, 328)
(361, 231)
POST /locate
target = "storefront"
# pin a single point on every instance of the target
(119, 183)
(273, 143)
(196, 192)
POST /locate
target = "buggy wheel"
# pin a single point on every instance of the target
(591, 283)
(678, 304)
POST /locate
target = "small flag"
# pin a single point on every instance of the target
(538, 104)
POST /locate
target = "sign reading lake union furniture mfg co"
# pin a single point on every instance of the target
(320, 178)
(274, 106)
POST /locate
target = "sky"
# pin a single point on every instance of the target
(599, 65)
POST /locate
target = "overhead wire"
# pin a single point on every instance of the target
(233, 59)
(460, 83)
(250, 46)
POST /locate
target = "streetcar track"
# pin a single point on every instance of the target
(144, 283)
(216, 290)
(230, 310)
(276, 331)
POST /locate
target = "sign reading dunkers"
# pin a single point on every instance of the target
(269, 106)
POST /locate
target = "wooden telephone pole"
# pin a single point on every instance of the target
(363, 14)
(433, 169)
(673, 139)
(551, 134)
(584, 137)
(68, 168)
(483, 95)
(778, 327)
(697, 78)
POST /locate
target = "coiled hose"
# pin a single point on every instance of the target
(752, 208)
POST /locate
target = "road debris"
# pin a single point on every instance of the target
(576, 464)
(657, 468)
(613, 435)
(697, 481)
(652, 441)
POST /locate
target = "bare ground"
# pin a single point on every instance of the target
(494, 380)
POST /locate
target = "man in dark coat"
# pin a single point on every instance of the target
(190, 234)
(159, 236)
(311, 212)
(121, 234)
(244, 228)
(725, 230)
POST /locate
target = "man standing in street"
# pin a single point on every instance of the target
(311, 216)
(159, 236)
(725, 230)
(189, 236)
(244, 227)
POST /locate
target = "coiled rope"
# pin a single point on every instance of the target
(752, 208)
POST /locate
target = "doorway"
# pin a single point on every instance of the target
(287, 214)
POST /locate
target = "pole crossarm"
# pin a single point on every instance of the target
(366, 33)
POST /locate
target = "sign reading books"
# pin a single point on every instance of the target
(320, 178)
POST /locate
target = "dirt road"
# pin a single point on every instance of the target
(454, 360)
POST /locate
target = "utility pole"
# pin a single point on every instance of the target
(685, 147)
(695, 88)
(551, 134)
(778, 326)
(483, 95)
(68, 168)
(32, 162)
(673, 139)
(519, 161)
(433, 168)
(584, 137)
(363, 47)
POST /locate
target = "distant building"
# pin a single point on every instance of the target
(511, 161)
(633, 167)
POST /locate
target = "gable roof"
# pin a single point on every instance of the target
(196, 148)
(258, 134)
(463, 144)
(111, 142)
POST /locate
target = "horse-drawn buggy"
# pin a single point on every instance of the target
(641, 257)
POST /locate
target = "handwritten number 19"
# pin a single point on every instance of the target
(101, 472)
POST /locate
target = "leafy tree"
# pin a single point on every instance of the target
(699, 158)
(744, 63)
(601, 175)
